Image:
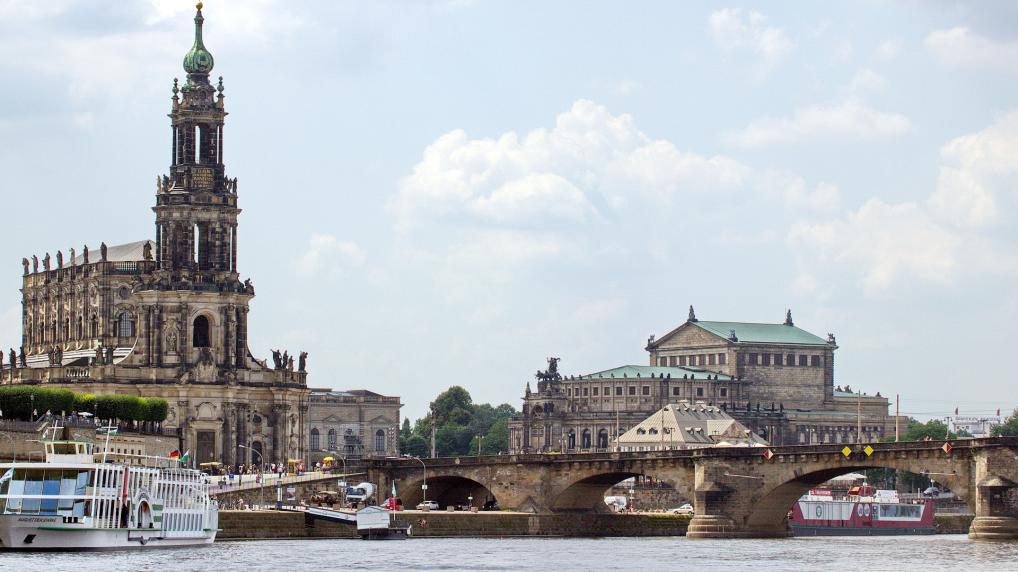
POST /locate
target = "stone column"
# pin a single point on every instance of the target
(229, 446)
(996, 495)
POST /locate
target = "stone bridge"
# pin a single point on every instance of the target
(736, 491)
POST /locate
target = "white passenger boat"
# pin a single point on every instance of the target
(76, 500)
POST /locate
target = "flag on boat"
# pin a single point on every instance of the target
(175, 454)
(393, 489)
(7, 476)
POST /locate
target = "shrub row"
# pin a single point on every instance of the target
(17, 402)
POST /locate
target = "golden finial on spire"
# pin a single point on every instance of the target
(199, 5)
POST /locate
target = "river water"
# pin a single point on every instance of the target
(927, 553)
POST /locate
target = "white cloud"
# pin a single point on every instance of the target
(866, 81)
(736, 30)
(937, 240)
(961, 47)
(888, 241)
(851, 118)
(589, 161)
(889, 49)
(627, 87)
(979, 171)
(328, 255)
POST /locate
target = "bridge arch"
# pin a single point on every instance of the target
(768, 515)
(587, 494)
(446, 490)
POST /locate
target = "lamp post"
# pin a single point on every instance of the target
(424, 487)
(342, 458)
(261, 488)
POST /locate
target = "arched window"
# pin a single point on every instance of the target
(586, 439)
(315, 444)
(125, 326)
(380, 441)
(94, 333)
(81, 328)
(602, 439)
(572, 439)
(332, 439)
(256, 446)
(200, 337)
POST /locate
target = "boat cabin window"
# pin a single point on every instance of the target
(63, 489)
(66, 448)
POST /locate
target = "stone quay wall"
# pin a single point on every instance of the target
(255, 525)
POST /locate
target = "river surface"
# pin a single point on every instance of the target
(927, 553)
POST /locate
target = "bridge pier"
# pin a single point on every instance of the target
(996, 496)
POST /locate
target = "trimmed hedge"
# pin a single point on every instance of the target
(17, 402)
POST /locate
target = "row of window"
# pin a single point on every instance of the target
(767, 359)
(315, 440)
(693, 360)
(645, 390)
(746, 359)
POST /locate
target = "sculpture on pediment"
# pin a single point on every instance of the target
(551, 374)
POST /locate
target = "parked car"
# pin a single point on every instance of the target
(428, 505)
(684, 509)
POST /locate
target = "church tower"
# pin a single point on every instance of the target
(196, 232)
(196, 204)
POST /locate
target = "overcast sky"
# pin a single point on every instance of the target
(441, 193)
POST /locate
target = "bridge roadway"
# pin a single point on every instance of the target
(736, 491)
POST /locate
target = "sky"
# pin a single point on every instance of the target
(443, 193)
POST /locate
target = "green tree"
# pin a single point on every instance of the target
(1009, 428)
(416, 445)
(932, 430)
(406, 430)
(453, 440)
(453, 405)
(496, 440)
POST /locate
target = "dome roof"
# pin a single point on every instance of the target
(198, 60)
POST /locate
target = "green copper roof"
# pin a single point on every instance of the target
(650, 371)
(198, 60)
(762, 333)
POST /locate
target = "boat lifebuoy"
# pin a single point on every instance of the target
(867, 510)
(820, 511)
(858, 510)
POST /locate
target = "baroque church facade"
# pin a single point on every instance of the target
(777, 379)
(169, 317)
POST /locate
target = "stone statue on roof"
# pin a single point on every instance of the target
(24, 262)
(692, 314)
(103, 251)
(14, 358)
(147, 250)
(45, 262)
(551, 374)
(60, 259)
(303, 363)
(788, 318)
(84, 254)
(71, 250)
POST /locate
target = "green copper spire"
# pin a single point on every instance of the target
(198, 60)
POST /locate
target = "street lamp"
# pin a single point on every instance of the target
(424, 487)
(261, 477)
(342, 458)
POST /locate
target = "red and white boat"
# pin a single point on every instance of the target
(865, 511)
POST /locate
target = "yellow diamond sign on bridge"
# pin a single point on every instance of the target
(868, 450)
(847, 451)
